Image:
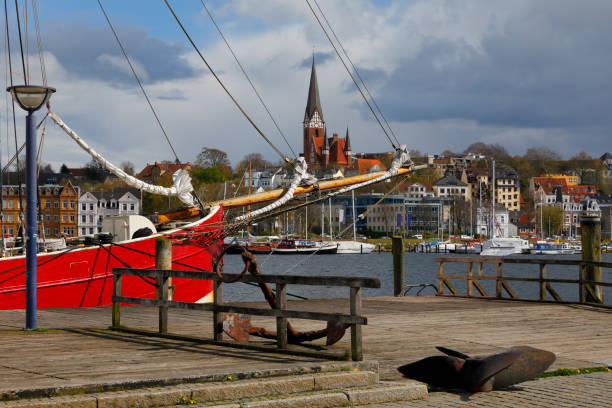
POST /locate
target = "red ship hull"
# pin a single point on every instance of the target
(83, 277)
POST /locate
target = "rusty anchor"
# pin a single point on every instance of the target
(239, 327)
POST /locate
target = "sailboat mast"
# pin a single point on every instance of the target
(306, 223)
(322, 219)
(249, 207)
(330, 220)
(493, 204)
(354, 220)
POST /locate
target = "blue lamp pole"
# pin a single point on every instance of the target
(31, 98)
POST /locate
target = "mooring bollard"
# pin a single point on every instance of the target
(398, 265)
(163, 260)
(590, 227)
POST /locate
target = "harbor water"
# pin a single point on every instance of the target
(420, 268)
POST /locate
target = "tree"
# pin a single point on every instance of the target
(210, 157)
(128, 167)
(543, 159)
(64, 169)
(208, 175)
(551, 220)
(495, 151)
(95, 171)
(255, 159)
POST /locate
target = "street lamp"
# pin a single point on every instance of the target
(30, 98)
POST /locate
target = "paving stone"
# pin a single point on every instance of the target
(252, 388)
(344, 379)
(81, 401)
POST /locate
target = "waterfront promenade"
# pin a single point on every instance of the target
(78, 349)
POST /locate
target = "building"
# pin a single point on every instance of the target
(527, 226)
(606, 159)
(95, 206)
(416, 189)
(507, 189)
(321, 151)
(451, 186)
(442, 163)
(428, 214)
(152, 172)
(546, 190)
(478, 179)
(57, 214)
(499, 226)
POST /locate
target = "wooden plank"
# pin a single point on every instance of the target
(217, 316)
(553, 292)
(581, 288)
(440, 277)
(297, 314)
(480, 288)
(356, 345)
(116, 322)
(543, 284)
(549, 261)
(521, 279)
(469, 278)
(450, 286)
(285, 279)
(281, 322)
(509, 290)
(498, 279)
(480, 269)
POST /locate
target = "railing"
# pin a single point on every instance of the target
(355, 319)
(589, 291)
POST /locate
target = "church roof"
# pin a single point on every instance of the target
(347, 141)
(314, 102)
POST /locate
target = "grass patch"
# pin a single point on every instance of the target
(574, 371)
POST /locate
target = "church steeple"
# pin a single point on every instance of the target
(313, 103)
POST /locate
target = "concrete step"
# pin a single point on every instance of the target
(374, 394)
(338, 384)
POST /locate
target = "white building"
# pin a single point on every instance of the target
(95, 206)
(501, 226)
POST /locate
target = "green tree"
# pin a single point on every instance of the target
(551, 220)
(208, 175)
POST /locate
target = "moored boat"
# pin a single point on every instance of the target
(498, 246)
(289, 246)
(354, 247)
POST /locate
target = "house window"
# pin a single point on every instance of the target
(71, 217)
(55, 204)
(11, 204)
(10, 230)
(64, 218)
(55, 218)
(47, 217)
(124, 207)
(91, 206)
(48, 230)
(72, 204)
(10, 218)
(55, 231)
(83, 218)
(64, 204)
(91, 230)
(132, 206)
(48, 204)
(83, 206)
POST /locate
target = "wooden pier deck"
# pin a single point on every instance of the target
(78, 348)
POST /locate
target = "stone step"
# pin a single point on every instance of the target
(374, 394)
(348, 385)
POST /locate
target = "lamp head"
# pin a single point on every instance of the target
(30, 97)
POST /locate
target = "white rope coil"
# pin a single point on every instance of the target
(181, 179)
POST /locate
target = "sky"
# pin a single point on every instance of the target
(446, 74)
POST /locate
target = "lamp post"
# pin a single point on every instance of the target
(31, 98)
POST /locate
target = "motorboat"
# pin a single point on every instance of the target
(499, 246)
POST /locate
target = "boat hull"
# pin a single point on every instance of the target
(354, 247)
(83, 277)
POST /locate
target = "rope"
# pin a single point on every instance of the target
(41, 57)
(356, 71)
(350, 74)
(25, 76)
(300, 175)
(138, 80)
(247, 77)
(195, 47)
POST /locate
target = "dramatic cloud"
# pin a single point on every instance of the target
(92, 53)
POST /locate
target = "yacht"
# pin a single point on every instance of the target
(498, 246)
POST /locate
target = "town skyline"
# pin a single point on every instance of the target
(553, 92)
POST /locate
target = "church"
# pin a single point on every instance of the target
(322, 152)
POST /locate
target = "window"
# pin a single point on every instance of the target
(56, 204)
(55, 218)
(10, 230)
(91, 218)
(100, 218)
(11, 204)
(64, 218)
(55, 231)
(64, 204)
(47, 203)
(83, 218)
(132, 206)
(91, 206)
(84, 206)
(72, 204)
(91, 230)
(71, 217)
(47, 217)
(10, 218)
(48, 230)
(124, 207)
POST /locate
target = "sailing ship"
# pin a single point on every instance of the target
(81, 276)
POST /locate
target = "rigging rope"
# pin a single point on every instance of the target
(41, 57)
(138, 80)
(356, 71)
(214, 74)
(25, 76)
(182, 187)
(350, 74)
(247, 77)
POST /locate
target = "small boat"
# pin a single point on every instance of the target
(354, 247)
(289, 247)
(549, 248)
(498, 246)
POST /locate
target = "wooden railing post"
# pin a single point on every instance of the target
(498, 280)
(440, 278)
(116, 304)
(281, 322)
(542, 281)
(163, 261)
(469, 279)
(356, 346)
(480, 272)
(398, 265)
(581, 279)
(217, 316)
(590, 233)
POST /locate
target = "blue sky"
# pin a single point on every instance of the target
(446, 73)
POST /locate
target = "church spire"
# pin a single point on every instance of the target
(314, 103)
(347, 141)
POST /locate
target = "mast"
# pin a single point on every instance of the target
(249, 207)
(354, 220)
(493, 206)
(322, 219)
(331, 233)
(306, 223)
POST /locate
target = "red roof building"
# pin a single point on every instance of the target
(152, 172)
(321, 151)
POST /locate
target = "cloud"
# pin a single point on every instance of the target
(90, 52)
(320, 59)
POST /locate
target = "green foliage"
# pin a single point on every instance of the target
(552, 220)
(574, 371)
(207, 175)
